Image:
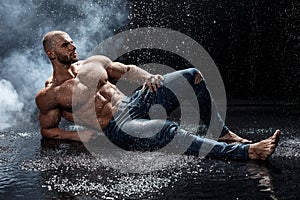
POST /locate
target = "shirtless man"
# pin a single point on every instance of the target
(70, 75)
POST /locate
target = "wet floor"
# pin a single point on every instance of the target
(31, 168)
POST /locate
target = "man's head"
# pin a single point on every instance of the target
(59, 47)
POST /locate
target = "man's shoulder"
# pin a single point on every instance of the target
(46, 93)
(53, 88)
(100, 59)
(77, 65)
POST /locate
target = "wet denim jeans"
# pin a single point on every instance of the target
(132, 128)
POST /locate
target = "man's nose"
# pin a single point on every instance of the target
(72, 46)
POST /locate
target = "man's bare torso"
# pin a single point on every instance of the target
(88, 98)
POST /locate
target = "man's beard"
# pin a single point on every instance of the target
(67, 60)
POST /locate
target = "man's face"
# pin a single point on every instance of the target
(65, 50)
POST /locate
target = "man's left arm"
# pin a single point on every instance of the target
(133, 73)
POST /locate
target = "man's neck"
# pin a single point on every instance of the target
(58, 65)
(62, 72)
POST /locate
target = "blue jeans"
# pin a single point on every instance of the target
(132, 128)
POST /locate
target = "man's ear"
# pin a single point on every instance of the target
(51, 54)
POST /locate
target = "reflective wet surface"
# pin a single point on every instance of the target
(35, 168)
(255, 45)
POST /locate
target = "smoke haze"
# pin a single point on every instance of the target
(23, 66)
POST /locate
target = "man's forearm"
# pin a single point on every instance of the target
(137, 74)
(133, 73)
(58, 133)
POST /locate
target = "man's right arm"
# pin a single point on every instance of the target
(50, 116)
(49, 125)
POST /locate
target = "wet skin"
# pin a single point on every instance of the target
(82, 90)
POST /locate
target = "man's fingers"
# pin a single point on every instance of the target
(159, 82)
(160, 77)
(151, 86)
(153, 82)
(154, 87)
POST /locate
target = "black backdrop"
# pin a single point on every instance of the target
(255, 44)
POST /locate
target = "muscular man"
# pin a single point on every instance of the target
(84, 90)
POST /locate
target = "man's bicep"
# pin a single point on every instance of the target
(50, 119)
(116, 70)
(46, 100)
(49, 127)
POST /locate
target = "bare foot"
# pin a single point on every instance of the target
(232, 137)
(263, 150)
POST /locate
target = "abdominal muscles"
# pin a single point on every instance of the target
(106, 103)
(99, 108)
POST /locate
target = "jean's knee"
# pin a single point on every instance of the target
(195, 74)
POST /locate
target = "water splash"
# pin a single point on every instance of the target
(88, 176)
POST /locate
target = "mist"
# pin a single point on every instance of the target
(24, 66)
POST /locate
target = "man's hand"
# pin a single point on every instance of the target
(153, 82)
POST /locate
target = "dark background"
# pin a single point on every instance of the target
(255, 44)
